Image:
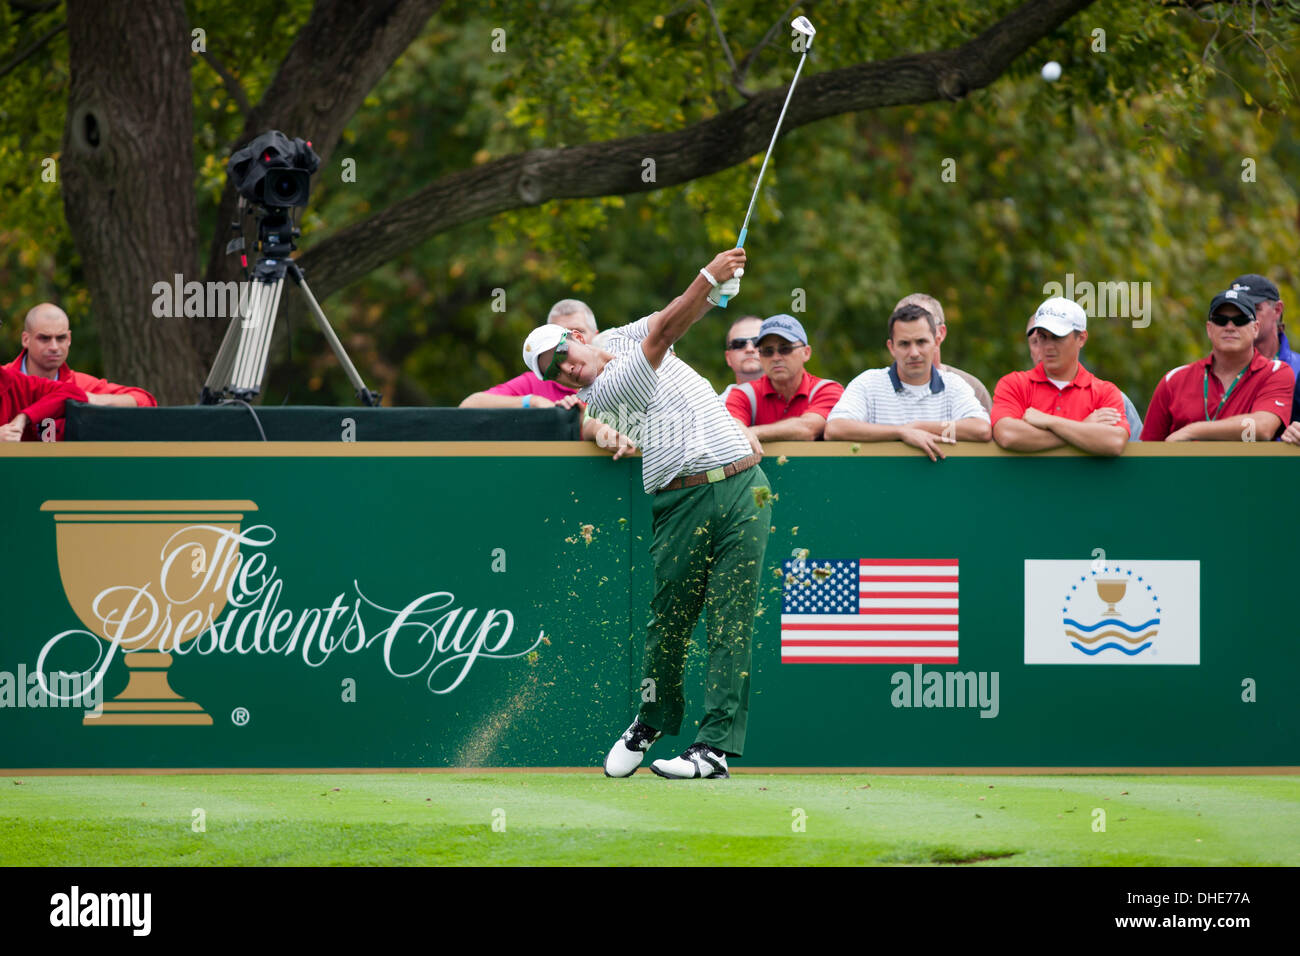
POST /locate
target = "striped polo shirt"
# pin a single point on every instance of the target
(672, 415)
(879, 397)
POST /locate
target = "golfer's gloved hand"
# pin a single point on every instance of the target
(730, 288)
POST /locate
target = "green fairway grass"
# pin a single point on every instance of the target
(585, 819)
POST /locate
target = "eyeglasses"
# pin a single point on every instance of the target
(561, 352)
(735, 345)
(767, 351)
(1238, 320)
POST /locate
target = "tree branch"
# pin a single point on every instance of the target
(33, 8)
(36, 45)
(231, 84)
(748, 59)
(726, 51)
(614, 167)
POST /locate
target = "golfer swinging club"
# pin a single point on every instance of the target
(709, 528)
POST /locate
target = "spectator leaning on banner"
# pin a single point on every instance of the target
(1233, 394)
(1058, 402)
(1130, 410)
(1271, 339)
(911, 401)
(27, 402)
(529, 391)
(931, 305)
(785, 403)
(46, 340)
(741, 353)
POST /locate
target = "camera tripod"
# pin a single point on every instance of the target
(240, 365)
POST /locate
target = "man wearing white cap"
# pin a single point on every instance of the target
(1059, 402)
(709, 512)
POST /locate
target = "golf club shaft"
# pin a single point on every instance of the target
(744, 229)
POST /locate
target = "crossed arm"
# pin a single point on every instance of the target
(1039, 431)
(806, 427)
(1229, 429)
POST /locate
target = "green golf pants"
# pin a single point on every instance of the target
(708, 555)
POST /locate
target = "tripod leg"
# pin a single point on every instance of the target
(219, 377)
(241, 361)
(257, 327)
(366, 396)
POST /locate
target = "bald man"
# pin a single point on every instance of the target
(46, 340)
(30, 405)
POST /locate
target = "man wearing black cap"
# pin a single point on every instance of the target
(1233, 394)
(1271, 338)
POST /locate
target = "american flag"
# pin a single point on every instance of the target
(869, 611)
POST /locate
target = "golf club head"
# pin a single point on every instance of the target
(802, 25)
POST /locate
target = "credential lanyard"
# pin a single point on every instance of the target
(1205, 392)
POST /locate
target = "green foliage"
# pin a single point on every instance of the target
(37, 259)
(1129, 169)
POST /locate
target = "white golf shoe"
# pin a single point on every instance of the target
(698, 761)
(628, 751)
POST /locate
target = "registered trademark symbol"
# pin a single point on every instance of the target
(240, 716)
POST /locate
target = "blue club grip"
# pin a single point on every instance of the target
(740, 244)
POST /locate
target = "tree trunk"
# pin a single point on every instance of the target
(128, 183)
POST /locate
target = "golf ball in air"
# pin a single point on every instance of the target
(1051, 71)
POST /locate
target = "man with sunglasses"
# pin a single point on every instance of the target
(741, 354)
(786, 403)
(1271, 338)
(1211, 400)
(710, 516)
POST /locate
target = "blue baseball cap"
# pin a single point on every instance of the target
(786, 326)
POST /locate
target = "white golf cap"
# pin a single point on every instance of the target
(540, 340)
(1060, 316)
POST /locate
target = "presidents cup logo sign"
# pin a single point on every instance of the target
(151, 580)
(1128, 612)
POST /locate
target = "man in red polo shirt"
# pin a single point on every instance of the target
(1049, 405)
(27, 401)
(1232, 393)
(46, 340)
(786, 403)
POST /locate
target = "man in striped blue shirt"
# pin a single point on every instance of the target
(710, 514)
(911, 401)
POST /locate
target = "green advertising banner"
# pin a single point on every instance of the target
(418, 605)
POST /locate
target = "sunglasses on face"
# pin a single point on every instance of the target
(767, 351)
(735, 345)
(561, 352)
(1238, 320)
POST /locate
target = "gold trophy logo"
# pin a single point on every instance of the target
(152, 562)
(1111, 592)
